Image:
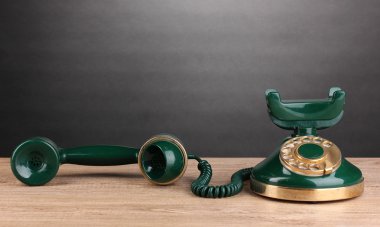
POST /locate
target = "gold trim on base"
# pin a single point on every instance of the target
(306, 194)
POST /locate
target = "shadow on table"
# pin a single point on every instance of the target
(102, 175)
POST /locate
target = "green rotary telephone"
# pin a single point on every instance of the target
(306, 167)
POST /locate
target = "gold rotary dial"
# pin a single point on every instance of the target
(310, 156)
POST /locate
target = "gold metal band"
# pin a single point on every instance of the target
(306, 194)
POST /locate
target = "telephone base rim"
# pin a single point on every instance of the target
(307, 194)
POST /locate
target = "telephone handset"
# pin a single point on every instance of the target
(305, 168)
(162, 159)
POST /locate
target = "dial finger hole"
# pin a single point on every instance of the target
(317, 140)
(290, 145)
(285, 151)
(286, 157)
(302, 166)
(327, 144)
(306, 140)
(314, 167)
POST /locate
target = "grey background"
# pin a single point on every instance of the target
(117, 72)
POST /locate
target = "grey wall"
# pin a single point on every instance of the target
(117, 72)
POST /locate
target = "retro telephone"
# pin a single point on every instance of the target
(306, 167)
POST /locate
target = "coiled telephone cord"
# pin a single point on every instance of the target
(201, 187)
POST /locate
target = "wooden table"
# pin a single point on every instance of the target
(120, 196)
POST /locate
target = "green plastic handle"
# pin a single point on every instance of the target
(100, 155)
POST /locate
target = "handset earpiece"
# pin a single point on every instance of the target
(162, 159)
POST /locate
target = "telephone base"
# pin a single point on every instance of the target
(270, 178)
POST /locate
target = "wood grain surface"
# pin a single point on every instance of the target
(120, 196)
